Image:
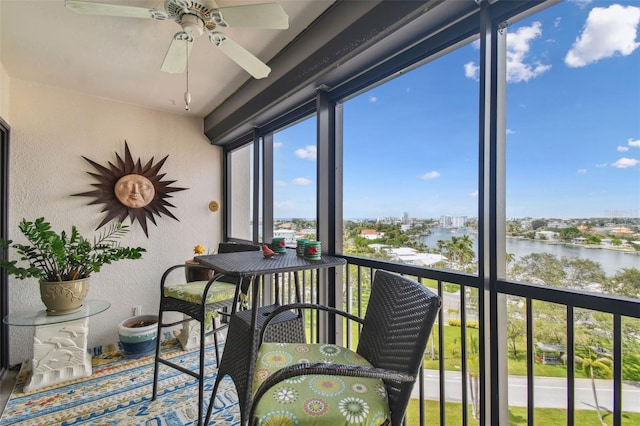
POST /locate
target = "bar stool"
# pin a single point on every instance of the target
(198, 300)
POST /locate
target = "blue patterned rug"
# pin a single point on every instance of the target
(119, 393)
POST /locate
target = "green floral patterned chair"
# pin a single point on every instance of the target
(325, 384)
(199, 301)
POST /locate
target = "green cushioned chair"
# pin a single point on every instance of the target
(325, 384)
(200, 301)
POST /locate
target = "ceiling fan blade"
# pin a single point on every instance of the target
(268, 15)
(88, 8)
(175, 61)
(240, 55)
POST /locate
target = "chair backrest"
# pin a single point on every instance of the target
(230, 247)
(397, 325)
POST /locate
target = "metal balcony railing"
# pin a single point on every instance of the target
(454, 399)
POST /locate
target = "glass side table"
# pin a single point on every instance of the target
(59, 343)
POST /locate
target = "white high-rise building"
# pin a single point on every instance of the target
(453, 221)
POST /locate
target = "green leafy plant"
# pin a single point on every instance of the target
(65, 256)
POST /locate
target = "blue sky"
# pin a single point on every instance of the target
(573, 127)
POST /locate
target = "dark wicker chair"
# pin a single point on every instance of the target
(395, 331)
(219, 292)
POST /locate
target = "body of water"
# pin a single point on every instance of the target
(611, 261)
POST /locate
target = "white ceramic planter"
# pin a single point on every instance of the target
(138, 334)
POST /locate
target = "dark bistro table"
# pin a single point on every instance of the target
(238, 358)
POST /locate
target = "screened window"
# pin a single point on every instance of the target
(241, 193)
(295, 181)
(411, 166)
(573, 148)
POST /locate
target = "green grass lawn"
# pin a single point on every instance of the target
(517, 415)
(517, 367)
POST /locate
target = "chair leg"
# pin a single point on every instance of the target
(213, 394)
(156, 363)
(203, 333)
(215, 341)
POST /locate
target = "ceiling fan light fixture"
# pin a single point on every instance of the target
(187, 101)
(192, 25)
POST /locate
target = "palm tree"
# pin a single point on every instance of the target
(465, 248)
(473, 373)
(509, 258)
(473, 368)
(600, 367)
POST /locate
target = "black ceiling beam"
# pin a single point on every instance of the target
(352, 45)
(344, 30)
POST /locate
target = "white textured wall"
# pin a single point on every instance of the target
(51, 129)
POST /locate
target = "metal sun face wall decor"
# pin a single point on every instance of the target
(129, 189)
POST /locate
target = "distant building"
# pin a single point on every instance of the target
(289, 235)
(371, 234)
(558, 224)
(388, 220)
(546, 235)
(453, 221)
(621, 230)
(409, 255)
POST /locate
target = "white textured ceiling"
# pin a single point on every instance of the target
(120, 58)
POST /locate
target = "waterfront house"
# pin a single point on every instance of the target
(371, 234)
(412, 256)
(546, 235)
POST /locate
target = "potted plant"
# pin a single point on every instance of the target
(197, 274)
(64, 261)
(138, 334)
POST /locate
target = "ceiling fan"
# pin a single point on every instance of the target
(196, 18)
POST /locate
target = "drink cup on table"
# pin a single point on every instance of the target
(278, 245)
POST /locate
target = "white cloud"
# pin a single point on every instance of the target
(601, 165)
(520, 67)
(372, 99)
(556, 22)
(607, 32)
(308, 152)
(277, 145)
(634, 142)
(511, 132)
(582, 3)
(301, 181)
(474, 194)
(582, 171)
(625, 162)
(430, 175)
(280, 183)
(471, 70)
(623, 148)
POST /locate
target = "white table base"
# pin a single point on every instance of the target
(59, 353)
(189, 336)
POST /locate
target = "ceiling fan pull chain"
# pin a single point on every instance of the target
(187, 95)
